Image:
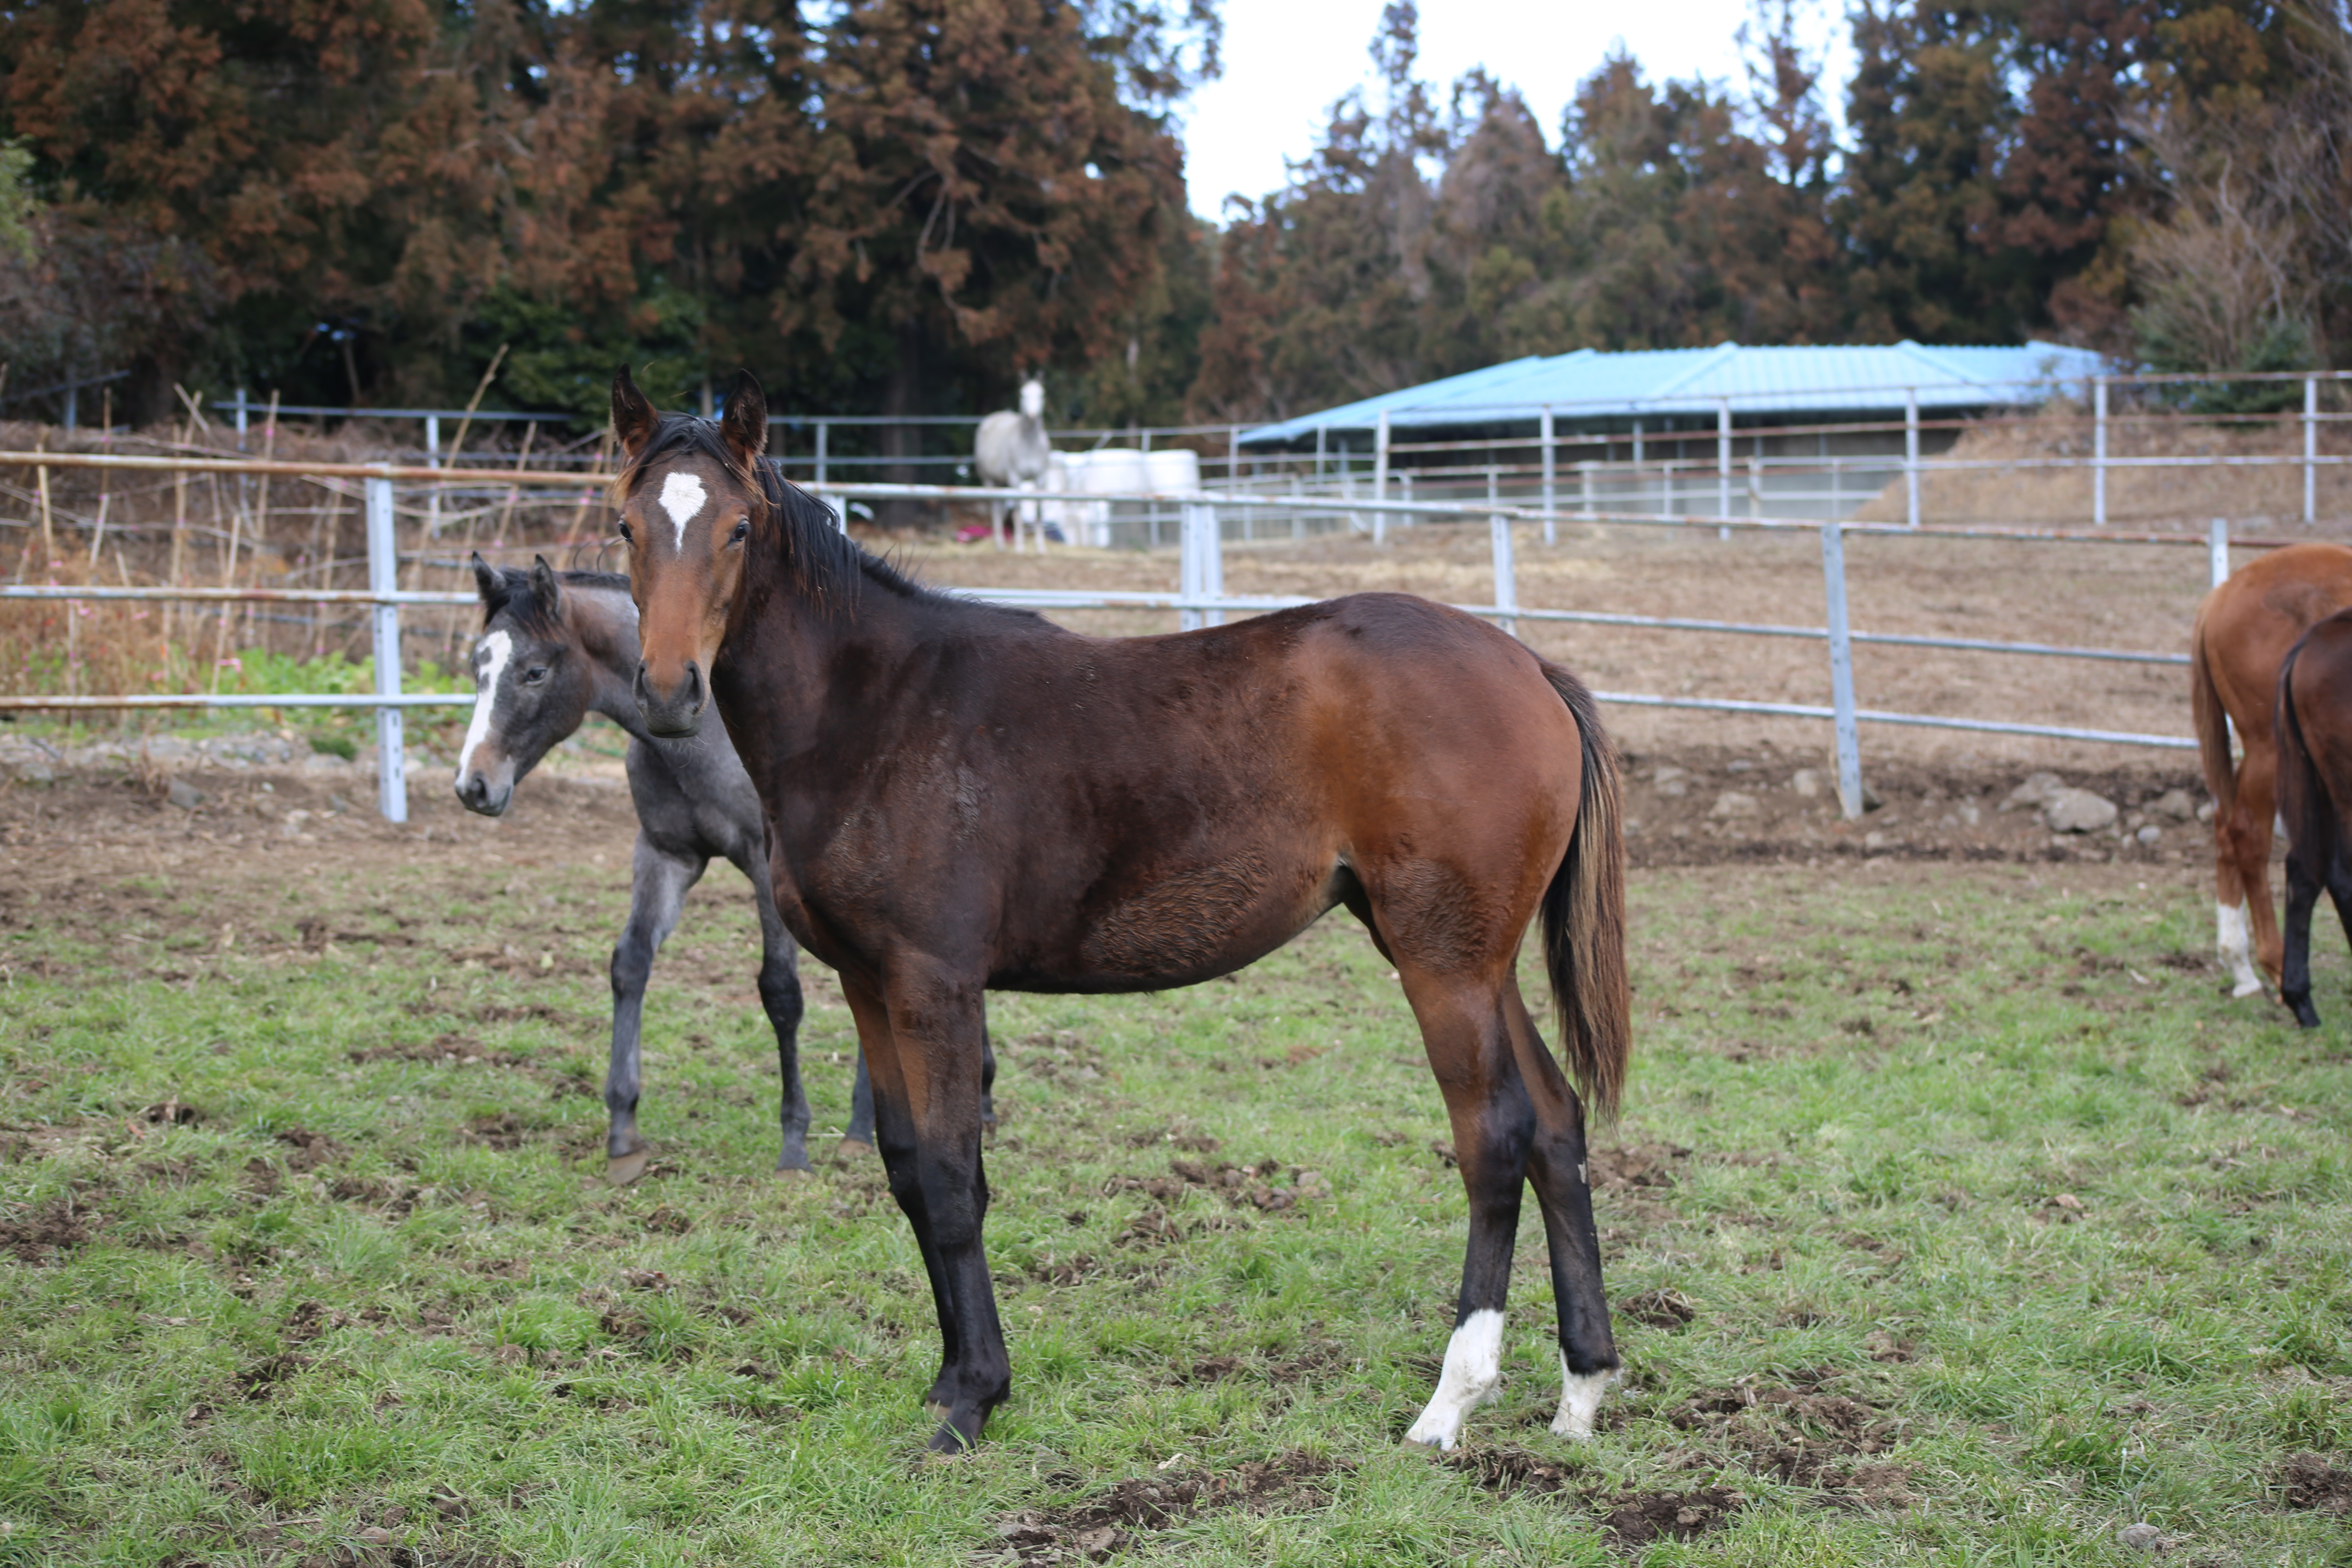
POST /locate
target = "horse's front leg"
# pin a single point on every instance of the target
(923, 1047)
(658, 880)
(780, 995)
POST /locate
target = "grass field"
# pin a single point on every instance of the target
(1955, 1218)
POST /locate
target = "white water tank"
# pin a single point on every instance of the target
(1172, 471)
(1110, 470)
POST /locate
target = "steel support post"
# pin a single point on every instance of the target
(2310, 449)
(1506, 575)
(1849, 740)
(1911, 454)
(822, 430)
(240, 407)
(1551, 478)
(2099, 452)
(2217, 550)
(1380, 477)
(383, 577)
(1200, 566)
(1723, 463)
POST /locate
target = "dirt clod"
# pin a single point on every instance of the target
(2309, 1482)
(1662, 1308)
(1637, 1518)
(45, 1234)
(1091, 1531)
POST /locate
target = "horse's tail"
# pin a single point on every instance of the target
(2212, 725)
(1584, 917)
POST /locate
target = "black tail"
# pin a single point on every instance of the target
(1584, 918)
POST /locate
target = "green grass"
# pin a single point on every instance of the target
(388, 1294)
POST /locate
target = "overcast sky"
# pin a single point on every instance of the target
(1287, 60)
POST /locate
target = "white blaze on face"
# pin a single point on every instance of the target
(496, 649)
(1579, 1401)
(682, 497)
(1474, 1368)
(2233, 935)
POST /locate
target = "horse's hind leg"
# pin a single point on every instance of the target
(658, 887)
(2247, 929)
(2295, 975)
(1556, 1164)
(779, 994)
(1469, 1050)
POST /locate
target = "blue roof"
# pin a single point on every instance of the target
(1590, 384)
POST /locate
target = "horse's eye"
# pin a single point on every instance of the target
(626, 535)
(742, 531)
(534, 675)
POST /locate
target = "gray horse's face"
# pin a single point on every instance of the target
(531, 687)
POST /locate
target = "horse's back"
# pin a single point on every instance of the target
(2248, 623)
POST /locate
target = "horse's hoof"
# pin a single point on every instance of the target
(623, 1169)
(854, 1149)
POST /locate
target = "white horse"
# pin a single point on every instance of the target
(1010, 452)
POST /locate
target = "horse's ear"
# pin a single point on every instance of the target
(633, 419)
(492, 586)
(745, 423)
(543, 587)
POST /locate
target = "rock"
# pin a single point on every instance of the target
(2077, 811)
(1671, 781)
(185, 796)
(2035, 790)
(2149, 834)
(1806, 782)
(1970, 814)
(2175, 804)
(2141, 1537)
(1732, 803)
(326, 762)
(1876, 840)
(1311, 1185)
(2205, 812)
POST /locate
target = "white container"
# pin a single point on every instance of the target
(1172, 471)
(1109, 470)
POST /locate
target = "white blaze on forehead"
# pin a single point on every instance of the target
(682, 496)
(496, 649)
(1474, 1367)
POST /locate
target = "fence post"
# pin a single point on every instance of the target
(383, 577)
(1911, 454)
(2099, 452)
(1584, 486)
(1723, 463)
(1550, 475)
(1507, 573)
(823, 429)
(1848, 741)
(1234, 455)
(2217, 548)
(1200, 566)
(433, 460)
(2310, 449)
(1380, 477)
(240, 407)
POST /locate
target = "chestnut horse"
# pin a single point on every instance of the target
(962, 797)
(2314, 792)
(2243, 631)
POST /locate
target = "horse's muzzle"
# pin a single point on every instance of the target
(678, 712)
(477, 793)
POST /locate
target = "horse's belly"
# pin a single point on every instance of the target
(1190, 925)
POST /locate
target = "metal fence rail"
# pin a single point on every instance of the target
(1200, 599)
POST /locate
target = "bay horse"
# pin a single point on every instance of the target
(2243, 631)
(962, 798)
(555, 648)
(2314, 792)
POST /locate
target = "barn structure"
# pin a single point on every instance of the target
(1798, 431)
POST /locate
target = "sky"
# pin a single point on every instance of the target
(1287, 60)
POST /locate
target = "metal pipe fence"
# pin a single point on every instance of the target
(1200, 599)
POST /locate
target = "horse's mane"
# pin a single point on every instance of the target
(512, 595)
(822, 561)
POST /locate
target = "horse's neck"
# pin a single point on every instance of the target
(604, 627)
(784, 652)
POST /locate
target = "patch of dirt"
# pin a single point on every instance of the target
(1242, 1185)
(1638, 1517)
(45, 1234)
(1092, 1531)
(2309, 1482)
(1800, 1434)
(309, 1151)
(1633, 1165)
(1504, 1468)
(1661, 1309)
(442, 1050)
(260, 1379)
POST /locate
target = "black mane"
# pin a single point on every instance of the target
(514, 597)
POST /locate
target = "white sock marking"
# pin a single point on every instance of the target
(682, 496)
(1579, 1401)
(496, 648)
(1474, 1367)
(2233, 935)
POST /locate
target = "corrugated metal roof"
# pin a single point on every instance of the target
(1589, 385)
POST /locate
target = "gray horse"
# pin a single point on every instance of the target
(1010, 451)
(556, 647)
